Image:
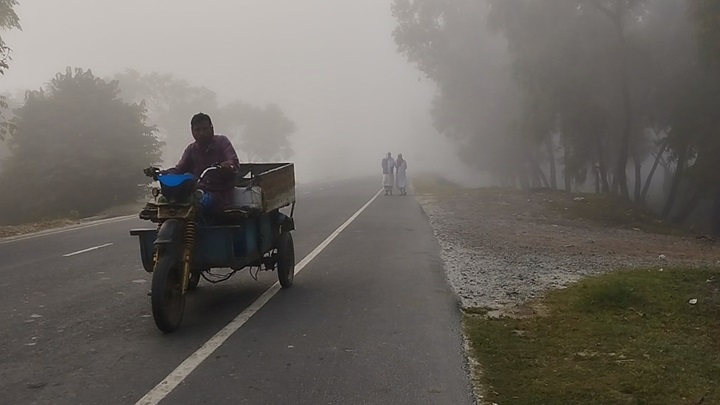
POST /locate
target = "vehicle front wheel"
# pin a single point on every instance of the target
(168, 301)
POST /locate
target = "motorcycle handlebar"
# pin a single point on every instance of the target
(154, 171)
(208, 170)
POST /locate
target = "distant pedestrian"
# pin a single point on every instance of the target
(401, 176)
(388, 167)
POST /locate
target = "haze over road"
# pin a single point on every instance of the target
(370, 320)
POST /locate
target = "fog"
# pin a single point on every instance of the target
(331, 65)
(526, 93)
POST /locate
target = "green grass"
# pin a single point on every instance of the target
(623, 338)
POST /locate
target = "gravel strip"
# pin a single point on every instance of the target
(507, 248)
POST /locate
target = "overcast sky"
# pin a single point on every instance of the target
(330, 64)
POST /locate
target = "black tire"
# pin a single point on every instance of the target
(168, 301)
(286, 260)
(194, 280)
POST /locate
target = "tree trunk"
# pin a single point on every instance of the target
(506, 182)
(620, 177)
(687, 207)
(534, 181)
(715, 215)
(568, 182)
(543, 178)
(566, 173)
(534, 170)
(553, 171)
(602, 168)
(670, 202)
(523, 178)
(638, 178)
(596, 172)
(650, 175)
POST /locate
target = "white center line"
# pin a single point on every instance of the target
(177, 376)
(87, 250)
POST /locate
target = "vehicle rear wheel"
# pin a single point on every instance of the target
(286, 260)
(168, 301)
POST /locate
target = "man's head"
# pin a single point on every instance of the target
(202, 128)
(389, 155)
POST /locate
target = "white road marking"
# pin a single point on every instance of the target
(69, 228)
(87, 250)
(180, 373)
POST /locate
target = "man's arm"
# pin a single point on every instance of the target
(229, 156)
(183, 166)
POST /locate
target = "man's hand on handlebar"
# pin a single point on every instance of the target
(227, 166)
(151, 171)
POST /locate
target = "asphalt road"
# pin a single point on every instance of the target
(370, 320)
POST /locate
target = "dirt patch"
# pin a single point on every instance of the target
(17, 230)
(7, 231)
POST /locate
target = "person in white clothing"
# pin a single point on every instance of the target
(401, 176)
(388, 167)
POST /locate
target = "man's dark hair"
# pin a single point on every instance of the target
(200, 117)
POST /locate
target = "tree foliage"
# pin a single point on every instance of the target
(598, 87)
(257, 133)
(77, 147)
(260, 134)
(11, 102)
(477, 102)
(707, 16)
(8, 20)
(171, 102)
